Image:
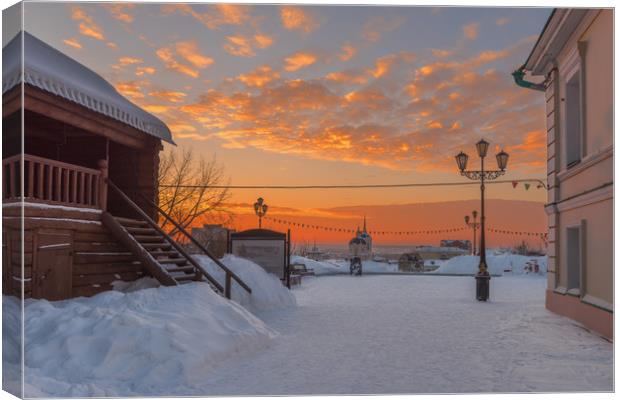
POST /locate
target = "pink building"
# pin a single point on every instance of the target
(574, 55)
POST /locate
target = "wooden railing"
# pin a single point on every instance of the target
(226, 290)
(229, 274)
(52, 182)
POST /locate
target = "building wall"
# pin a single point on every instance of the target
(582, 195)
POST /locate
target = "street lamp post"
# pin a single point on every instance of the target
(482, 277)
(474, 225)
(260, 209)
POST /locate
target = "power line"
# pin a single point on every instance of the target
(376, 186)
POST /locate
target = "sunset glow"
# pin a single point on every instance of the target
(326, 95)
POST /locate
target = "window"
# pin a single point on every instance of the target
(573, 260)
(573, 120)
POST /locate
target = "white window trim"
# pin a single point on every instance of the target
(567, 70)
(581, 227)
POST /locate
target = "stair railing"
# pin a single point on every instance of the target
(167, 237)
(229, 274)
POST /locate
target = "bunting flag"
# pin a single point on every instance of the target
(527, 186)
(514, 184)
(541, 235)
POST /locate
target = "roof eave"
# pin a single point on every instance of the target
(560, 25)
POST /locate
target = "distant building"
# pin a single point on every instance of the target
(315, 254)
(461, 244)
(575, 55)
(410, 262)
(214, 237)
(439, 253)
(361, 244)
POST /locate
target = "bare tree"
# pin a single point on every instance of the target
(186, 190)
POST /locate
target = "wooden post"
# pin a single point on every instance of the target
(103, 184)
(288, 259)
(227, 285)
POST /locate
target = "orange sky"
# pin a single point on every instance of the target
(292, 94)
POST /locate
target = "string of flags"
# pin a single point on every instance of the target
(527, 185)
(416, 232)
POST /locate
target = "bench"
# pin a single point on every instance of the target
(300, 269)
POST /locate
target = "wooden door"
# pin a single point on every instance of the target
(53, 265)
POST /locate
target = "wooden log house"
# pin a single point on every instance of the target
(82, 183)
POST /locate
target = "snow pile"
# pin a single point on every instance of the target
(331, 267)
(268, 292)
(320, 267)
(154, 341)
(497, 264)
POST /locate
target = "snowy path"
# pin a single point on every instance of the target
(393, 334)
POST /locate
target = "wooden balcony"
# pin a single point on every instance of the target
(53, 182)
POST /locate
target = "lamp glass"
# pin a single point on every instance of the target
(467, 219)
(482, 146)
(461, 160)
(502, 160)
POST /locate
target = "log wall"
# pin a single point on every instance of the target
(97, 258)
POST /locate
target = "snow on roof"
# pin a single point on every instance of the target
(48, 69)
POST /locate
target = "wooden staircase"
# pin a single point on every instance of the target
(164, 258)
(140, 236)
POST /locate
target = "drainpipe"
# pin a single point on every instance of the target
(518, 77)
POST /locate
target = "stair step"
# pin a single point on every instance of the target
(184, 278)
(148, 238)
(188, 268)
(172, 261)
(169, 253)
(159, 245)
(131, 222)
(140, 230)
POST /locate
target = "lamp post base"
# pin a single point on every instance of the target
(482, 286)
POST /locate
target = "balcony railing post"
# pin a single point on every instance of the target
(103, 184)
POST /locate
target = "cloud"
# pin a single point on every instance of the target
(384, 64)
(87, 25)
(168, 95)
(145, 71)
(377, 26)
(239, 46)
(217, 15)
(502, 21)
(471, 30)
(130, 60)
(189, 51)
(131, 89)
(72, 42)
(165, 54)
(119, 11)
(441, 53)
(348, 51)
(263, 41)
(351, 76)
(296, 18)
(259, 77)
(299, 60)
(397, 122)
(243, 46)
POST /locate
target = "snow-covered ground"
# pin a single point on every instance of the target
(369, 334)
(140, 339)
(501, 264)
(267, 290)
(332, 267)
(419, 334)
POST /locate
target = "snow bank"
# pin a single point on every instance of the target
(152, 341)
(320, 267)
(268, 293)
(496, 263)
(330, 267)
